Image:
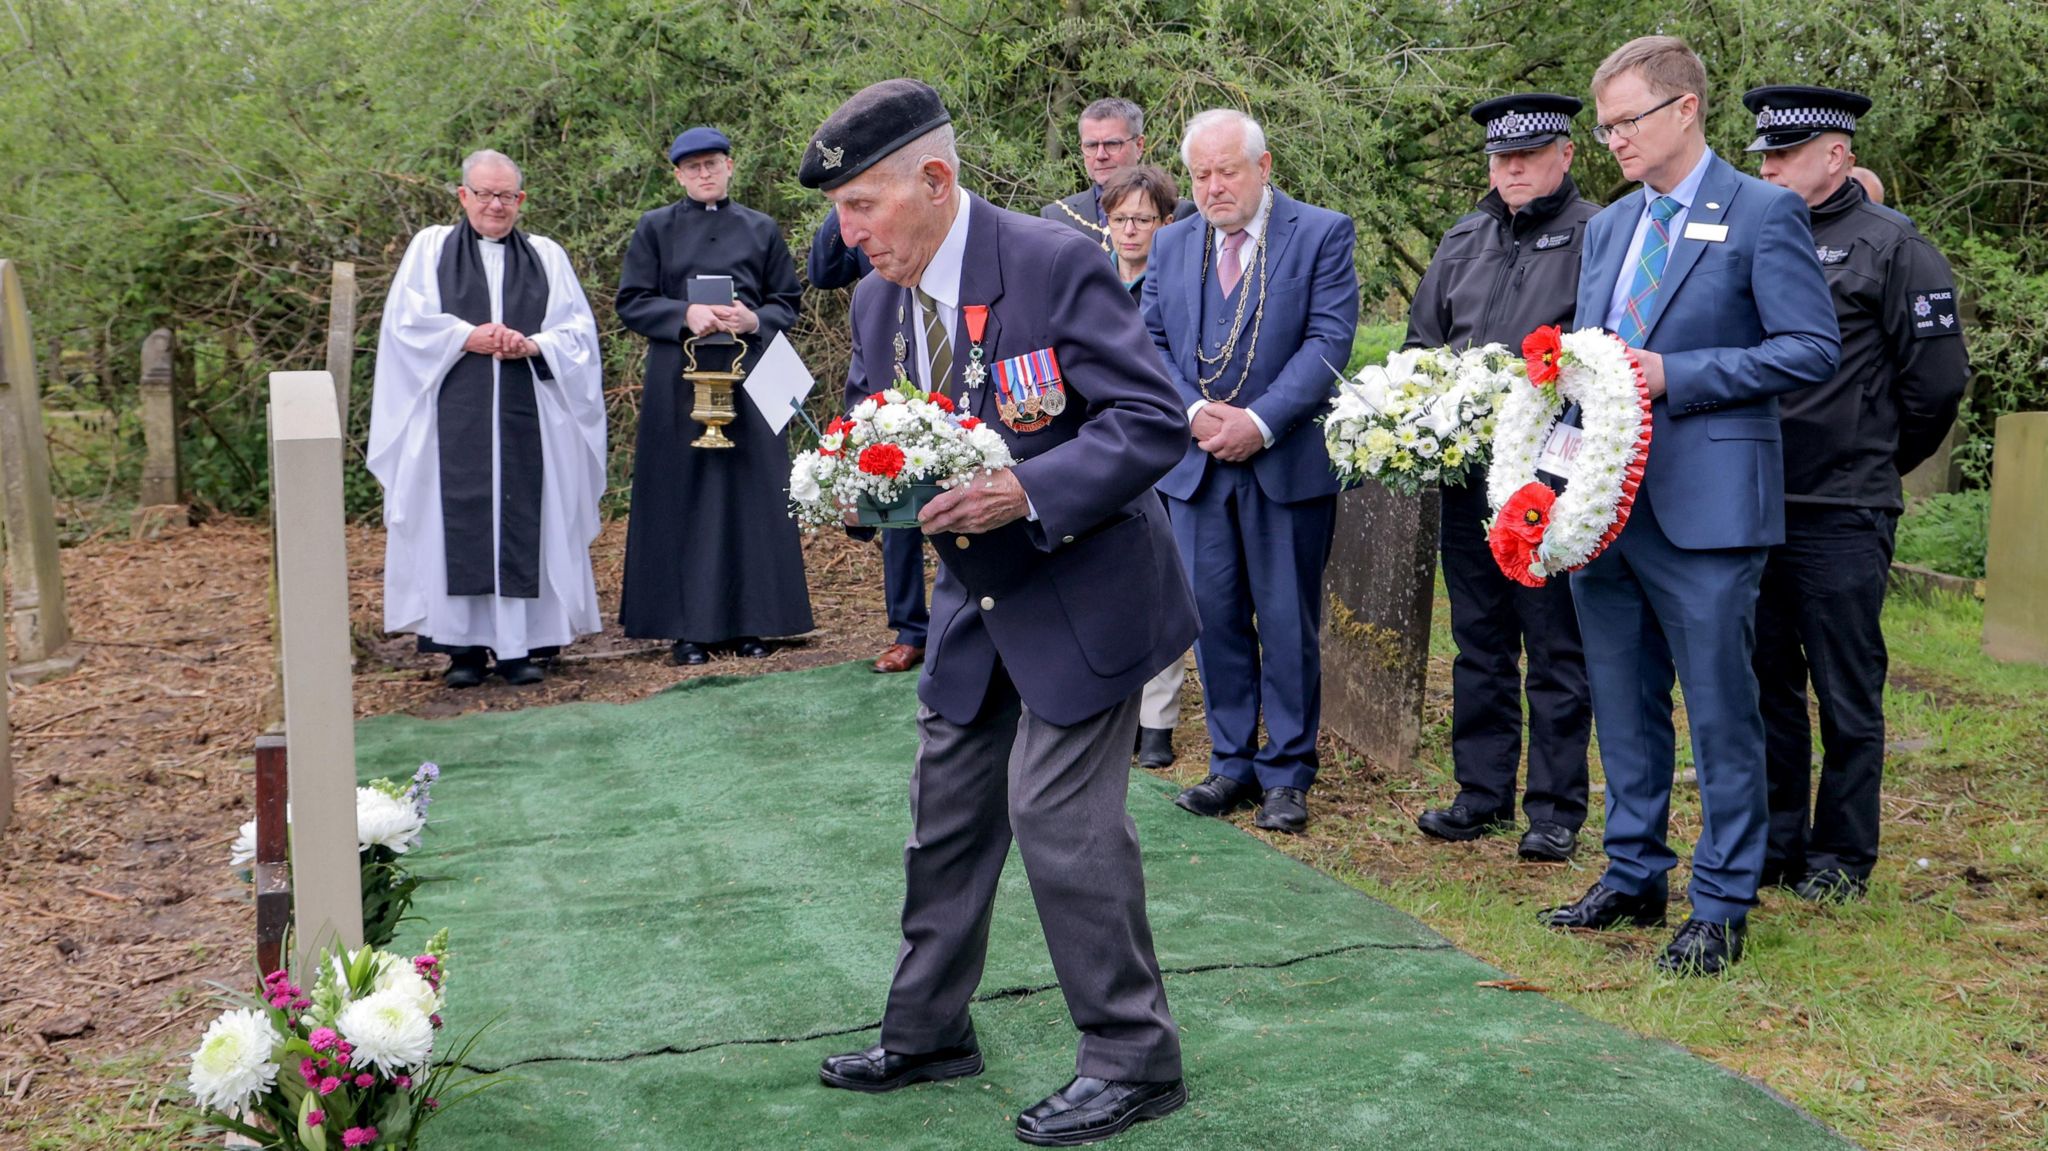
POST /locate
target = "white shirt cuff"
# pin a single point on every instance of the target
(1265, 432)
(1197, 406)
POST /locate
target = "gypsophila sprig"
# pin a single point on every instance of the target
(886, 444)
(1424, 417)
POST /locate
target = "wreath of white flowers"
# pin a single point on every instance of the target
(1533, 534)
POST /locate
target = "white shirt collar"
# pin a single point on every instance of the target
(1257, 227)
(941, 278)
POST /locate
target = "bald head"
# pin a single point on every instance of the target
(1871, 184)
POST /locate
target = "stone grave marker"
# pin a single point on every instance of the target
(341, 336)
(1378, 593)
(2016, 563)
(160, 478)
(36, 615)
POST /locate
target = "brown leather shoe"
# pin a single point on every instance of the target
(899, 657)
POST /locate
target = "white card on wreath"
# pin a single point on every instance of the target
(1559, 450)
(779, 383)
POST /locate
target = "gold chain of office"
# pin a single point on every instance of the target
(1085, 222)
(1221, 360)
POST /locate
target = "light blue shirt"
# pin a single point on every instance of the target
(1687, 189)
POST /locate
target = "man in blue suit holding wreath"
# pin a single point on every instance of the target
(1712, 277)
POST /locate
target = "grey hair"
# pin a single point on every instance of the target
(486, 158)
(936, 144)
(1117, 108)
(1254, 136)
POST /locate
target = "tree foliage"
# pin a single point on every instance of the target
(199, 163)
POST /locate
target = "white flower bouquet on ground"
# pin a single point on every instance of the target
(888, 457)
(349, 1064)
(391, 820)
(1424, 417)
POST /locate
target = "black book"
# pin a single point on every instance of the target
(715, 291)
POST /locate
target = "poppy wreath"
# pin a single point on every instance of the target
(1537, 533)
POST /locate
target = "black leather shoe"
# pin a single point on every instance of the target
(689, 654)
(1088, 1110)
(1603, 907)
(877, 1069)
(1702, 948)
(1284, 809)
(751, 648)
(1547, 842)
(520, 672)
(1780, 874)
(1831, 885)
(1155, 747)
(1460, 822)
(463, 673)
(1216, 795)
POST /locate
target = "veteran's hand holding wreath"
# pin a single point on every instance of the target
(982, 504)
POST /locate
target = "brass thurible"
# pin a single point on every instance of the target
(713, 403)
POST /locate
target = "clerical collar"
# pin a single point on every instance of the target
(1257, 227)
(941, 278)
(493, 239)
(695, 203)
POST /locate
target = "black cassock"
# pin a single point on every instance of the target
(711, 551)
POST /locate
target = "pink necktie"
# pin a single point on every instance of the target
(1231, 267)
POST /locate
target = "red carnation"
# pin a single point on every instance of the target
(941, 402)
(882, 460)
(970, 423)
(1518, 531)
(1541, 350)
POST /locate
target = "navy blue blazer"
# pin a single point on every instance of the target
(1304, 340)
(1089, 601)
(1738, 321)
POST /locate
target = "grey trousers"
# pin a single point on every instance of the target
(1060, 791)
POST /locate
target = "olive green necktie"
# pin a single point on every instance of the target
(938, 347)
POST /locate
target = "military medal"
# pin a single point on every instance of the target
(975, 373)
(902, 349)
(1029, 391)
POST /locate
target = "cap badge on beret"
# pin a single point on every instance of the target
(830, 157)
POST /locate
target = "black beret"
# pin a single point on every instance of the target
(878, 120)
(1525, 120)
(695, 140)
(1791, 114)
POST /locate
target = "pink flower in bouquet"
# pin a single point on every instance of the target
(309, 1071)
(359, 1137)
(328, 1086)
(323, 1039)
(366, 1080)
(882, 460)
(315, 1118)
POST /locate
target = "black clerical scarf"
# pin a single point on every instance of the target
(464, 408)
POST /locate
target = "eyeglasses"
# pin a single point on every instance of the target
(509, 199)
(1104, 145)
(1128, 223)
(701, 167)
(1629, 127)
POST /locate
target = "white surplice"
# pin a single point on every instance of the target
(416, 345)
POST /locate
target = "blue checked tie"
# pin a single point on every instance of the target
(1642, 288)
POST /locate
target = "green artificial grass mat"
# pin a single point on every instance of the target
(673, 909)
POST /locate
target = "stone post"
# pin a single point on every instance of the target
(1379, 592)
(34, 569)
(160, 485)
(319, 708)
(341, 336)
(2016, 562)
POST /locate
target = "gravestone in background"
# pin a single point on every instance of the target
(2016, 563)
(35, 573)
(160, 480)
(1378, 593)
(341, 337)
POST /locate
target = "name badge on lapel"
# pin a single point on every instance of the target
(1711, 233)
(1029, 390)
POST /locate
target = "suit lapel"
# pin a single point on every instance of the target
(1603, 267)
(1190, 336)
(1280, 231)
(981, 282)
(1717, 188)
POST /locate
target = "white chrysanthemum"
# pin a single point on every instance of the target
(891, 396)
(989, 442)
(386, 821)
(244, 851)
(803, 479)
(894, 419)
(233, 1063)
(918, 462)
(395, 973)
(387, 1030)
(864, 410)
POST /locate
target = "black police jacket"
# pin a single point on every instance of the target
(1497, 275)
(1903, 366)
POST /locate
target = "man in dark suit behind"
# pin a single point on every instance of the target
(1682, 271)
(1253, 305)
(1112, 139)
(1058, 597)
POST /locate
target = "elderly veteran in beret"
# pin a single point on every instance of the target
(1502, 271)
(713, 561)
(1846, 443)
(1059, 595)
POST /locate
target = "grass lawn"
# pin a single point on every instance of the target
(1918, 1019)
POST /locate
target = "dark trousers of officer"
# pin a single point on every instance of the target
(903, 584)
(1493, 621)
(1817, 619)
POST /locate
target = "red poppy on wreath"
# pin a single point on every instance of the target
(941, 402)
(1518, 532)
(970, 423)
(882, 460)
(1541, 351)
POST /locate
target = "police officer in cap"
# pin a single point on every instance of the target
(1846, 444)
(1500, 273)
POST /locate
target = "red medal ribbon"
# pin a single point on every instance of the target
(977, 320)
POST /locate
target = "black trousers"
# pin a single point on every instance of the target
(1494, 620)
(1817, 621)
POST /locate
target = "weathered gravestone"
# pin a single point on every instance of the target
(35, 574)
(2016, 563)
(341, 336)
(319, 708)
(1379, 590)
(160, 480)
